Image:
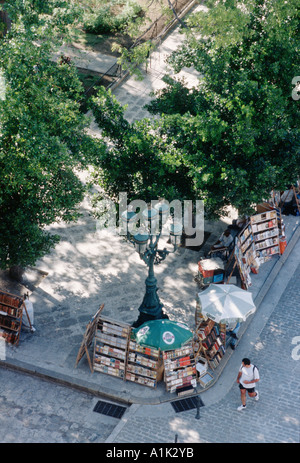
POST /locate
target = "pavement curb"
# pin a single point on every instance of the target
(62, 380)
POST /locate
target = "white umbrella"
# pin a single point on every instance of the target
(225, 303)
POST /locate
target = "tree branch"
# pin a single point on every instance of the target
(176, 15)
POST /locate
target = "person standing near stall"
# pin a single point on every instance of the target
(248, 376)
(232, 329)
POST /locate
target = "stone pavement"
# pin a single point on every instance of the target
(89, 268)
(37, 411)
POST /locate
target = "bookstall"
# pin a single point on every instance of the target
(11, 313)
(110, 347)
(257, 243)
(88, 338)
(244, 254)
(116, 353)
(144, 365)
(266, 235)
(211, 338)
(180, 373)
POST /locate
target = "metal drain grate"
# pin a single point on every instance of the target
(109, 409)
(186, 404)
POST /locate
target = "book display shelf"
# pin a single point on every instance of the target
(117, 354)
(266, 234)
(88, 338)
(211, 339)
(11, 312)
(257, 243)
(143, 365)
(244, 252)
(110, 347)
(180, 368)
(273, 206)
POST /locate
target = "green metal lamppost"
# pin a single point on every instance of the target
(146, 244)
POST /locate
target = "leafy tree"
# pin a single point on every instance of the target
(240, 126)
(43, 140)
(136, 26)
(234, 137)
(140, 162)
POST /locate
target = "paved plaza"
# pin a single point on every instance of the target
(89, 268)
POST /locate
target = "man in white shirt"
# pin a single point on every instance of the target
(247, 377)
(223, 243)
(225, 240)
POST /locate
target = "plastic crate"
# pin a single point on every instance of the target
(210, 267)
(218, 278)
(205, 273)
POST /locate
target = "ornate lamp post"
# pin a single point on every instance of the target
(146, 244)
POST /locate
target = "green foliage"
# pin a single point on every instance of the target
(43, 143)
(173, 98)
(105, 20)
(2, 28)
(140, 161)
(238, 132)
(131, 58)
(42, 19)
(234, 137)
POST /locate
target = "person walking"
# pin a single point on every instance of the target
(248, 376)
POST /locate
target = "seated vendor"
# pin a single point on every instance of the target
(224, 241)
(288, 202)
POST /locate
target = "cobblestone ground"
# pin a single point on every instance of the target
(37, 411)
(273, 419)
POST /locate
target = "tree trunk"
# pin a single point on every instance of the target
(5, 20)
(16, 273)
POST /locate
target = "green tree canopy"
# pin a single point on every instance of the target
(140, 161)
(235, 136)
(43, 138)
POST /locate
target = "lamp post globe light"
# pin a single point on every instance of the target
(146, 244)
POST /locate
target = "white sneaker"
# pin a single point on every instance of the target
(257, 396)
(241, 407)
